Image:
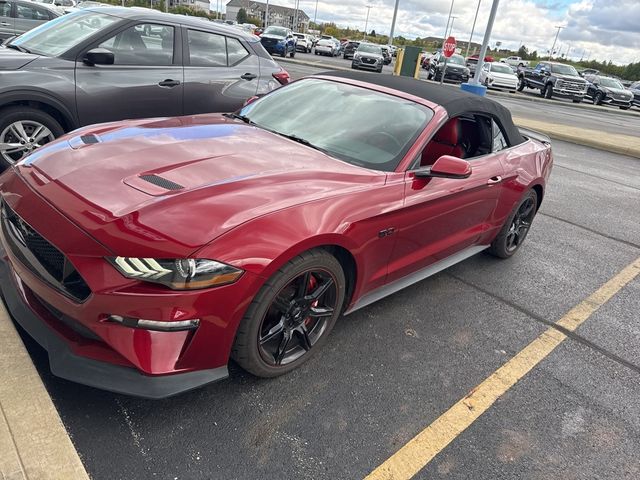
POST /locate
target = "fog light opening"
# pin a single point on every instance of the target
(155, 325)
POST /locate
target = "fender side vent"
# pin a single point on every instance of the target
(161, 182)
(89, 139)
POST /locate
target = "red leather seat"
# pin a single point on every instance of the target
(445, 142)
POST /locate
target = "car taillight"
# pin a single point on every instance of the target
(282, 77)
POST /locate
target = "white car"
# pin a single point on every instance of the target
(325, 46)
(498, 75)
(305, 42)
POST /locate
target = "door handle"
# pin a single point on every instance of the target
(168, 83)
(248, 76)
(494, 180)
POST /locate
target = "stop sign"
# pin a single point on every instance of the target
(449, 47)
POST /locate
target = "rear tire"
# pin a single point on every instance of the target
(503, 245)
(249, 348)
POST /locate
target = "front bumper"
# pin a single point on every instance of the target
(278, 48)
(358, 63)
(64, 363)
(505, 85)
(569, 92)
(615, 102)
(324, 50)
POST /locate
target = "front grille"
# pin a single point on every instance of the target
(41, 257)
(269, 41)
(161, 182)
(369, 60)
(570, 85)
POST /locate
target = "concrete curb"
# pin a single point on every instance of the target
(621, 144)
(34, 445)
(491, 93)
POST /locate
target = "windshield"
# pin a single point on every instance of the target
(457, 59)
(59, 35)
(370, 49)
(564, 70)
(277, 31)
(378, 143)
(498, 68)
(610, 82)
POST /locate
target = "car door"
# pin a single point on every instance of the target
(28, 16)
(443, 217)
(7, 21)
(146, 79)
(220, 73)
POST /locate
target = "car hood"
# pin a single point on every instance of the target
(12, 59)
(150, 187)
(571, 78)
(271, 35)
(369, 55)
(504, 76)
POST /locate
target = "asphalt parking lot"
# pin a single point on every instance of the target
(393, 368)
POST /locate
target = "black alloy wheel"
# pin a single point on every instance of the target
(597, 98)
(515, 229)
(520, 83)
(291, 316)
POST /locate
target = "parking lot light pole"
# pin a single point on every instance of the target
(446, 29)
(266, 15)
(450, 27)
(485, 43)
(366, 22)
(473, 28)
(559, 27)
(393, 23)
(315, 15)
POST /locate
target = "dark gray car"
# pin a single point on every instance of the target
(111, 63)
(19, 16)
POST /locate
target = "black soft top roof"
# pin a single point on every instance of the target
(455, 101)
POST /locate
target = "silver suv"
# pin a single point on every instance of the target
(19, 16)
(111, 63)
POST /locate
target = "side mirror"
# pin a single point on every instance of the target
(446, 167)
(99, 56)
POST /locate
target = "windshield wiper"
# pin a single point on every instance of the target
(237, 116)
(300, 140)
(18, 47)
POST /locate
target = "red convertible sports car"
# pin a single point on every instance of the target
(144, 254)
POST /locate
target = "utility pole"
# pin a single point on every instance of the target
(473, 28)
(446, 29)
(485, 42)
(559, 27)
(393, 22)
(366, 22)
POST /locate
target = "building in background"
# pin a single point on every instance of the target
(283, 16)
(202, 5)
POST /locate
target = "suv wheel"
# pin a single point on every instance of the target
(597, 98)
(520, 83)
(547, 92)
(22, 130)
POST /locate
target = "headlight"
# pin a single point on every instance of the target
(180, 274)
(356, 56)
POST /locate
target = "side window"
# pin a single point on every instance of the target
(235, 51)
(31, 12)
(207, 49)
(5, 9)
(499, 141)
(144, 45)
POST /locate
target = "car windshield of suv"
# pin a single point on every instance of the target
(457, 59)
(275, 31)
(564, 70)
(497, 68)
(369, 49)
(59, 35)
(610, 82)
(392, 125)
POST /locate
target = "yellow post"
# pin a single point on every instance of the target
(416, 74)
(398, 65)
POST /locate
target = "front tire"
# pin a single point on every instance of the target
(515, 229)
(520, 84)
(291, 316)
(597, 98)
(548, 91)
(23, 129)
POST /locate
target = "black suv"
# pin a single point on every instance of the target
(111, 63)
(608, 91)
(349, 49)
(635, 89)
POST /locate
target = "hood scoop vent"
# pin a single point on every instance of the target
(161, 182)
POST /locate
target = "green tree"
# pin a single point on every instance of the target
(523, 52)
(242, 16)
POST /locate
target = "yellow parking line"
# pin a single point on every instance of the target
(416, 454)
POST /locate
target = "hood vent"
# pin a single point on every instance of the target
(161, 182)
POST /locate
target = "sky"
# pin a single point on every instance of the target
(595, 29)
